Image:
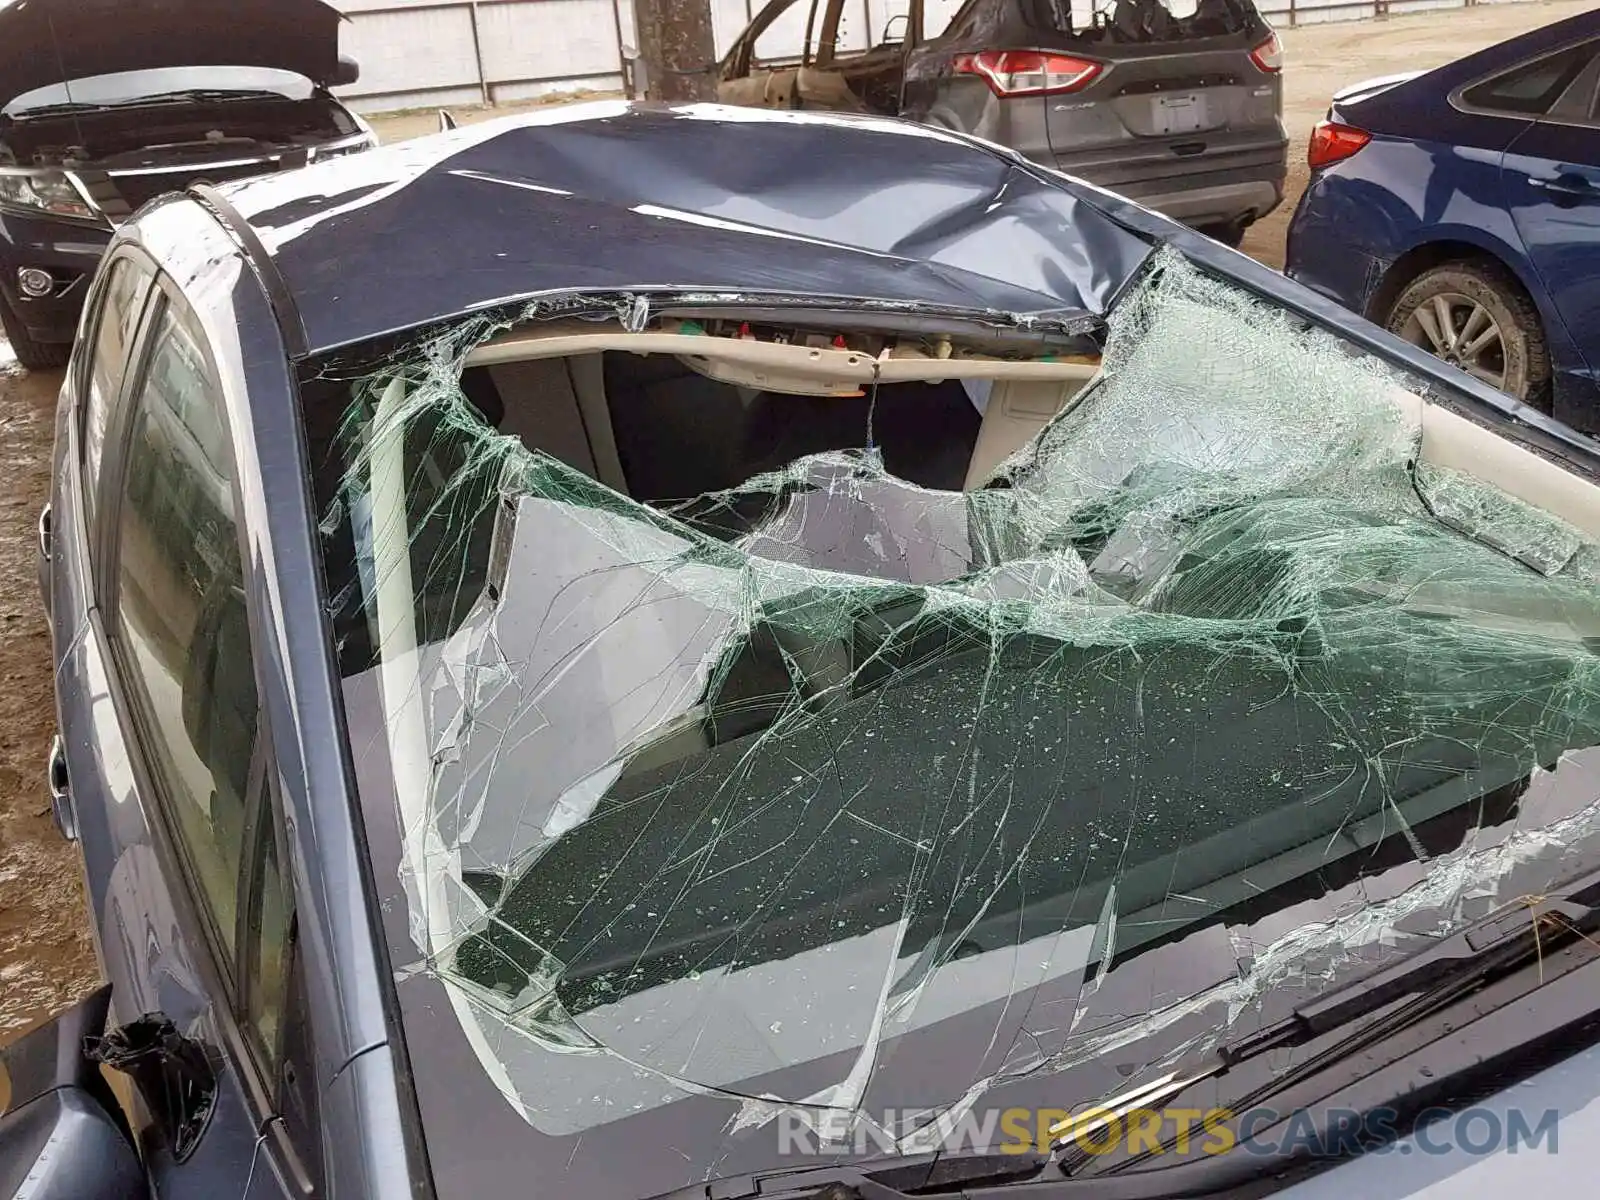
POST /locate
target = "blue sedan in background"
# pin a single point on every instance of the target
(1460, 208)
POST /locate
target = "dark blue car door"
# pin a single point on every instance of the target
(1551, 179)
(166, 752)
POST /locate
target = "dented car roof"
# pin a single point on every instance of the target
(654, 201)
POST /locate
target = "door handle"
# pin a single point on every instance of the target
(47, 533)
(61, 811)
(1566, 183)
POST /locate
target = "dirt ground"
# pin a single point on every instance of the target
(46, 959)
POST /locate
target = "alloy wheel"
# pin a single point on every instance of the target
(1461, 331)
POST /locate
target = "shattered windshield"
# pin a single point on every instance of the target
(749, 762)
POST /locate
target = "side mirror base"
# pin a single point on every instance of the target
(60, 1133)
(64, 1146)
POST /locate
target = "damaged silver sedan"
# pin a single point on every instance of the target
(754, 654)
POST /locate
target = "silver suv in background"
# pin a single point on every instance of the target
(1176, 104)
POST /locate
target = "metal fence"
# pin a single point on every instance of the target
(417, 53)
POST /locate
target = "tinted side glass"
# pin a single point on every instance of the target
(184, 644)
(1530, 89)
(121, 299)
(1579, 103)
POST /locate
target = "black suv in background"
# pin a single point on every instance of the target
(105, 105)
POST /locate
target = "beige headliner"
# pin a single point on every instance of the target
(1024, 402)
(822, 365)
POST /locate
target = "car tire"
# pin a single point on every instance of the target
(36, 356)
(1476, 316)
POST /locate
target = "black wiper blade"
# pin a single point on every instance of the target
(55, 110)
(1433, 978)
(199, 95)
(873, 1179)
(1436, 973)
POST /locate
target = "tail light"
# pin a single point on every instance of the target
(1028, 72)
(1332, 142)
(1268, 56)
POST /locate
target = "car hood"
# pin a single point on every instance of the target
(47, 41)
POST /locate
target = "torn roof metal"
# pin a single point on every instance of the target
(614, 196)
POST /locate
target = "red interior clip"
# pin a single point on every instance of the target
(838, 341)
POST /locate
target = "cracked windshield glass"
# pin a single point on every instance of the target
(848, 730)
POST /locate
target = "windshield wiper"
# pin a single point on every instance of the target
(55, 110)
(873, 1179)
(1434, 977)
(200, 95)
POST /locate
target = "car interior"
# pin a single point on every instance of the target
(860, 81)
(662, 424)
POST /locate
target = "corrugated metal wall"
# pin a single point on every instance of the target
(416, 53)
(427, 52)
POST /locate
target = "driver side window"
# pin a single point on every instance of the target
(182, 645)
(784, 40)
(180, 614)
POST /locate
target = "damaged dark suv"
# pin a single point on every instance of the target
(101, 112)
